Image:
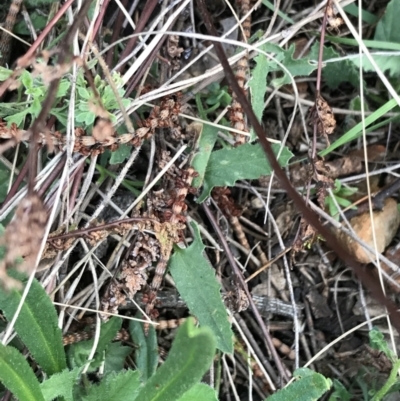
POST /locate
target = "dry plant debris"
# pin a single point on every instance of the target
(135, 145)
(386, 224)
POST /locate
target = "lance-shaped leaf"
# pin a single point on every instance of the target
(190, 357)
(309, 386)
(146, 354)
(17, 375)
(198, 286)
(36, 325)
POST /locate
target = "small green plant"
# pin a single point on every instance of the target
(36, 90)
(62, 372)
(338, 197)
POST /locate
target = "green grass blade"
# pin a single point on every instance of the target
(356, 131)
(190, 357)
(269, 5)
(371, 44)
(17, 375)
(37, 325)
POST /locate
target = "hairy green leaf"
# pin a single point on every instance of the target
(191, 355)
(17, 375)
(123, 386)
(199, 392)
(198, 286)
(387, 29)
(309, 386)
(37, 325)
(245, 162)
(146, 354)
(60, 385)
(205, 145)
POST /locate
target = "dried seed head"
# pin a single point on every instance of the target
(23, 237)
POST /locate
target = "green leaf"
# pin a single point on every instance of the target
(377, 341)
(196, 282)
(387, 29)
(17, 375)
(245, 162)
(84, 93)
(146, 354)
(37, 325)
(340, 392)
(18, 118)
(309, 386)
(4, 73)
(115, 357)
(366, 16)
(63, 88)
(191, 355)
(38, 22)
(78, 353)
(205, 145)
(123, 386)
(121, 154)
(60, 385)
(200, 392)
(387, 63)
(258, 87)
(333, 73)
(296, 67)
(26, 79)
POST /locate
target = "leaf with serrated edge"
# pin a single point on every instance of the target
(122, 386)
(333, 72)
(17, 375)
(146, 353)
(198, 286)
(37, 325)
(309, 386)
(246, 162)
(191, 355)
(258, 87)
(200, 392)
(60, 385)
(115, 357)
(296, 67)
